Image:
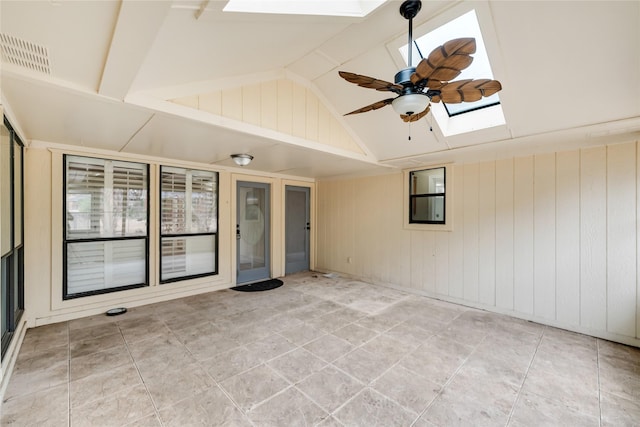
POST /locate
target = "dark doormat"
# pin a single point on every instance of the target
(265, 285)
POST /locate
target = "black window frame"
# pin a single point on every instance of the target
(414, 197)
(66, 242)
(12, 269)
(169, 235)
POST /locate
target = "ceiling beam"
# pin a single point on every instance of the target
(136, 29)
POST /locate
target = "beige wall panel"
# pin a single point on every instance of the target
(37, 232)
(187, 101)
(429, 261)
(269, 105)
(504, 234)
(621, 239)
(568, 237)
(285, 106)
(324, 125)
(232, 103)
(487, 233)
(456, 238)
(416, 257)
(593, 238)
(544, 226)
(313, 117)
(251, 104)
(523, 235)
(470, 232)
(638, 238)
(321, 225)
(299, 113)
(442, 262)
(211, 103)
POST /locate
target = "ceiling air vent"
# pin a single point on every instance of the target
(24, 54)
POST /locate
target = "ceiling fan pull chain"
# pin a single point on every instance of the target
(409, 131)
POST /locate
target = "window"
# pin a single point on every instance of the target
(427, 196)
(105, 246)
(11, 233)
(188, 224)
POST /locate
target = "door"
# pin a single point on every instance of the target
(297, 229)
(252, 231)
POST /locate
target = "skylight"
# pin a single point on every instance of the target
(353, 8)
(464, 26)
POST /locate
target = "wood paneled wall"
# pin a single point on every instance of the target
(280, 105)
(552, 238)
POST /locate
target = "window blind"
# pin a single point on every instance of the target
(106, 225)
(189, 223)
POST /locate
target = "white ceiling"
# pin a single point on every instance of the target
(570, 73)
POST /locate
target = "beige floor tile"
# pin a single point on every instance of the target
(370, 408)
(99, 362)
(207, 408)
(409, 390)
(48, 407)
(355, 334)
(25, 381)
(320, 350)
(170, 386)
(289, 408)
(230, 363)
(302, 334)
(364, 365)
(297, 365)
(437, 359)
(270, 347)
(329, 388)
(101, 385)
(254, 386)
(119, 409)
(94, 345)
(329, 347)
(532, 409)
(618, 411)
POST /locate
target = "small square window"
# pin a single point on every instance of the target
(427, 196)
(428, 199)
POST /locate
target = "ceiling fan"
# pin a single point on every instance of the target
(430, 80)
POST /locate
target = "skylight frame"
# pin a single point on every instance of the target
(487, 119)
(340, 8)
(465, 25)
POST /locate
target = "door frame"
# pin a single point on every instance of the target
(312, 214)
(307, 192)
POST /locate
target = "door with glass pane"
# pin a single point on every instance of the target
(297, 229)
(252, 231)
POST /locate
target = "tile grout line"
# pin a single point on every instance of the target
(68, 376)
(599, 385)
(524, 379)
(135, 364)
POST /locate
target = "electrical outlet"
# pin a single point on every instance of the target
(349, 260)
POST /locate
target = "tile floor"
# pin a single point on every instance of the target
(318, 351)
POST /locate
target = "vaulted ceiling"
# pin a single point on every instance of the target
(132, 76)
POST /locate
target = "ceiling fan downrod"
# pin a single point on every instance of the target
(409, 9)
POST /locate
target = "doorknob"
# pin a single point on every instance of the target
(238, 231)
(308, 226)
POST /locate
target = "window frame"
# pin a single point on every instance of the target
(66, 241)
(162, 235)
(12, 262)
(447, 225)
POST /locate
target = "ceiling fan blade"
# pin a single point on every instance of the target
(468, 90)
(370, 82)
(450, 56)
(415, 117)
(372, 107)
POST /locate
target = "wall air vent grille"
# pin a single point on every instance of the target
(24, 54)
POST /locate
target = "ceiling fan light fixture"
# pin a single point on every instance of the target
(412, 103)
(242, 159)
